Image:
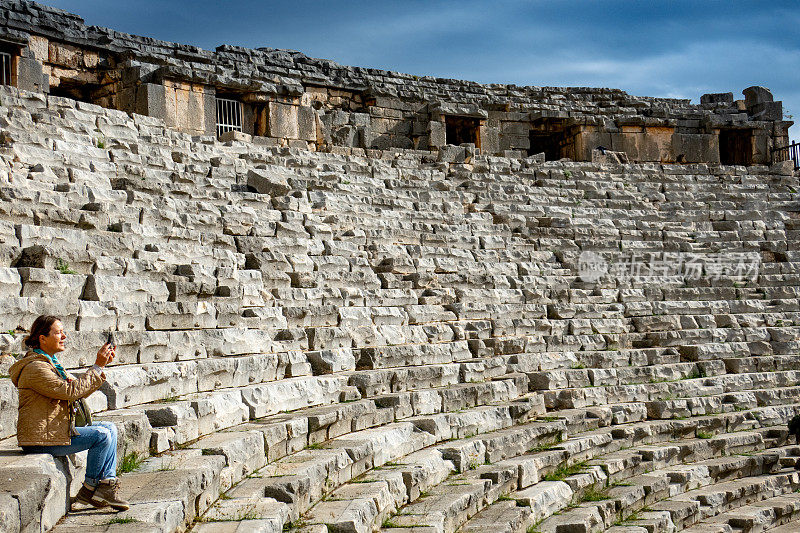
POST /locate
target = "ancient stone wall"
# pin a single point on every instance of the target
(293, 100)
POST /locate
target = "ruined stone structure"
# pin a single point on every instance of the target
(285, 98)
(322, 329)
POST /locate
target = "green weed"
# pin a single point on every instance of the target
(565, 471)
(592, 494)
(63, 267)
(130, 463)
(123, 520)
(549, 445)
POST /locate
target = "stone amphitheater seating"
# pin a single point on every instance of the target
(323, 342)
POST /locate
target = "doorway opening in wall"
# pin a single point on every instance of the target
(229, 115)
(460, 130)
(548, 136)
(735, 147)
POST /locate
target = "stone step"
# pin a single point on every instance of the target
(304, 477)
(785, 528)
(758, 516)
(501, 517)
(763, 389)
(723, 497)
(598, 509)
(593, 377)
(367, 503)
(166, 494)
(576, 483)
(445, 507)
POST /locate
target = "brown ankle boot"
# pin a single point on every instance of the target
(85, 496)
(107, 493)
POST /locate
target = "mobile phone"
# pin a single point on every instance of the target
(110, 340)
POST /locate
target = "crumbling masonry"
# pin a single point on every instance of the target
(349, 300)
(288, 99)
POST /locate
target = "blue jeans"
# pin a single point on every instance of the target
(100, 439)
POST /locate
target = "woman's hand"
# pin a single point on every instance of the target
(105, 355)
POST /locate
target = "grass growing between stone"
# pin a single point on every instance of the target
(549, 445)
(130, 463)
(593, 494)
(123, 520)
(565, 471)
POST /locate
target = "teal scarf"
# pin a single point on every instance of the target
(53, 359)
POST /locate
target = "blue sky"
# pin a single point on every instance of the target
(675, 48)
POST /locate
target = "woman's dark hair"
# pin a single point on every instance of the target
(41, 326)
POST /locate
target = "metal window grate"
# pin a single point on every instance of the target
(5, 68)
(229, 115)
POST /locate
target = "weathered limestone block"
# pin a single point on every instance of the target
(23, 491)
(180, 416)
(291, 339)
(137, 384)
(44, 245)
(328, 338)
(133, 431)
(8, 408)
(356, 514)
(113, 288)
(448, 507)
(420, 314)
(545, 498)
(331, 361)
(262, 515)
(96, 316)
(10, 519)
(460, 425)
(243, 450)
(290, 394)
(283, 435)
(180, 315)
(501, 517)
(130, 316)
(10, 282)
(219, 410)
(233, 372)
(270, 180)
(54, 477)
(293, 363)
(235, 341)
(412, 355)
(20, 312)
(284, 121)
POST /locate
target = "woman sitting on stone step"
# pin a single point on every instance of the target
(46, 420)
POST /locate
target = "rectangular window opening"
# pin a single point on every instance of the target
(460, 130)
(5, 68)
(229, 115)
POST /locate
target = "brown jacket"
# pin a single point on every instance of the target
(44, 400)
